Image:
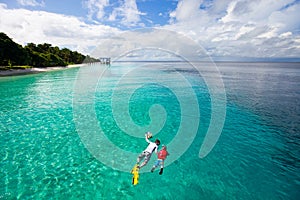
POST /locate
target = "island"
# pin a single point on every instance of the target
(16, 59)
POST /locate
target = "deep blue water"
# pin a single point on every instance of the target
(256, 157)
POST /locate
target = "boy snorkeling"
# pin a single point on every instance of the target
(161, 156)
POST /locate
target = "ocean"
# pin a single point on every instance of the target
(76, 133)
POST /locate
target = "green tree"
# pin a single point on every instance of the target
(11, 52)
(41, 55)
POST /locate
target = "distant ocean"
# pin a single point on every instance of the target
(257, 156)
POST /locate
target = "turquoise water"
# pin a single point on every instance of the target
(256, 157)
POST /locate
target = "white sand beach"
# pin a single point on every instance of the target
(14, 72)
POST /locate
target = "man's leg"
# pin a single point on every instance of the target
(147, 158)
(140, 157)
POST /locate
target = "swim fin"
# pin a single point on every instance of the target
(161, 171)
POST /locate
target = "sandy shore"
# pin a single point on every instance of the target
(14, 72)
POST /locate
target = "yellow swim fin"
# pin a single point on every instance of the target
(135, 177)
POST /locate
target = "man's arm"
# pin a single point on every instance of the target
(147, 138)
(156, 150)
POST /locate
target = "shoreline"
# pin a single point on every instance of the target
(34, 70)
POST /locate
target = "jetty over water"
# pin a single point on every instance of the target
(105, 60)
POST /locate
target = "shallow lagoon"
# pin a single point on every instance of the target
(256, 157)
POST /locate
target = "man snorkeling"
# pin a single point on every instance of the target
(152, 147)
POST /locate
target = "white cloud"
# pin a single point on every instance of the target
(96, 7)
(238, 28)
(186, 10)
(286, 19)
(149, 44)
(126, 13)
(250, 28)
(130, 13)
(285, 35)
(32, 3)
(25, 26)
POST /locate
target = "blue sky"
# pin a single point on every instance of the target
(226, 29)
(152, 12)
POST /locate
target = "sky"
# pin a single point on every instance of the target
(226, 29)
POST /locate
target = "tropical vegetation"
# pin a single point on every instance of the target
(37, 55)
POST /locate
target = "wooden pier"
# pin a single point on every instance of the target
(105, 61)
